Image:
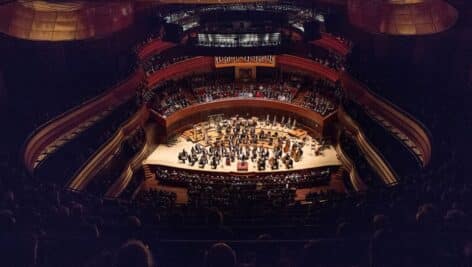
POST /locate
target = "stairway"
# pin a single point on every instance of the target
(148, 173)
(299, 97)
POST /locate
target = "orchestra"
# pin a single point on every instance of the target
(262, 142)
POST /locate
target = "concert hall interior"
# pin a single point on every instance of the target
(224, 133)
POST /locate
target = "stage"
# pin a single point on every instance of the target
(166, 155)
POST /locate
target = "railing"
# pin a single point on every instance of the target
(94, 164)
(200, 64)
(72, 155)
(307, 65)
(397, 153)
(111, 172)
(409, 126)
(331, 43)
(373, 156)
(41, 138)
(154, 47)
(181, 68)
(350, 167)
(120, 184)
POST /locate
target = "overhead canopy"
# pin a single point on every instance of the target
(203, 1)
(64, 21)
(402, 17)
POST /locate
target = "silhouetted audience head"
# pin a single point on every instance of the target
(380, 222)
(133, 223)
(221, 255)
(344, 229)
(455, 220)
(214, 217)
(385, 250)
(427, 217)
(134, 254)
(7, 220)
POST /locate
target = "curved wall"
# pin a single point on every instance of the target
(152, 48)
(181, 68)
(94, 164)
(52, 130)
(308, 66)
(185, 117)
(374, 158)
(407, 125)
(3, 95)
(350, 168)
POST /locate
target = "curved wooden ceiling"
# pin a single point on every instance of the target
(402, 17)
(64, 21)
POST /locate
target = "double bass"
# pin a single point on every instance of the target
(298, 154)
(287, 146)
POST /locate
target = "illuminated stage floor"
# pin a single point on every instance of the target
(165, 155)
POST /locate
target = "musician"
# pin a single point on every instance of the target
(275, 164)
(285, 158)
(191, 160)
(202, 161)
(298, 154)
(183, 156)
(254, 139)
(262, 135)
(254, 154)
(247, 151)
(214, 163)
(266, 153)
(198, 148)
(289, 163)
(259, 151)
(261, 164)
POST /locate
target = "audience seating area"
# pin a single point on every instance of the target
(374, 229)
(319, 96)
(327, 58)
(158, 62)
(230, 191)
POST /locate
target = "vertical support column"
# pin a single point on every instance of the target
(3, 95)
